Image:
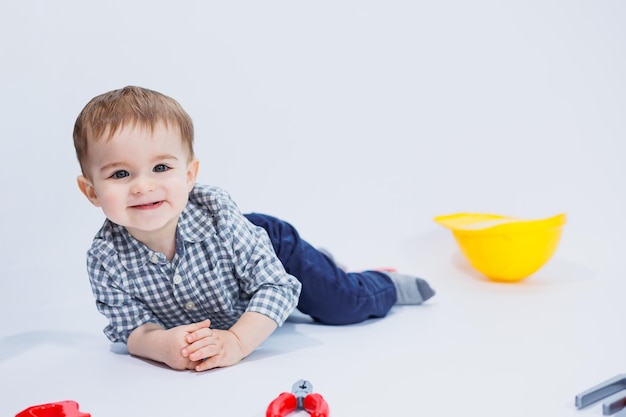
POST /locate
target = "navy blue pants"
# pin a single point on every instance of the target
(329, 294)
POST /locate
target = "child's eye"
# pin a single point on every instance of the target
(120, 174)
(160, 168)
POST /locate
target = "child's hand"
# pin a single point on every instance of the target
(177, 343)
(208, 349)
(196, 346)
(152, 341)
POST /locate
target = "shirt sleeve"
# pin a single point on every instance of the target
(272, 291)
(111, 288)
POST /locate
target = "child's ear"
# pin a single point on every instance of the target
(192, 173)
(86, 187)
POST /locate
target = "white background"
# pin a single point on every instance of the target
(357, 121)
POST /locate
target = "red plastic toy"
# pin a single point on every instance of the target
(301, 397)
(58, 409)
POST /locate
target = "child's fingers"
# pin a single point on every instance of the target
(209, 363)
(222, 350)
(192, 330)
(198, 342)
(205, 353)
(192, 365)
(199, 334)
(205, 324)
(203, 348)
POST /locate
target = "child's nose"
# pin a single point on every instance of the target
(142, 184)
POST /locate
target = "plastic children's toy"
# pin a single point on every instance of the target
(58, 409)
(505, 248)
(612, 388)
(300, 398)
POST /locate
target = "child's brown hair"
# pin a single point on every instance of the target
(108, 112)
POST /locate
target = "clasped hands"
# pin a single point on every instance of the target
(201, 348)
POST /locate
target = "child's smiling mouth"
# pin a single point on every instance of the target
(148, 206)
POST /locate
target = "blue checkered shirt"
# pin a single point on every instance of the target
(223, 267)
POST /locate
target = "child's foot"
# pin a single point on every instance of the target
(410, 289)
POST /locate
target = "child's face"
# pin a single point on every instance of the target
(141, 179)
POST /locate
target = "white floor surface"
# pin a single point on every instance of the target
(358, 121)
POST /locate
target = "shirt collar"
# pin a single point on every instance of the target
(195, 224)
(131, 253)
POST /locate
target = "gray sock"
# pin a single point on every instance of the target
(410, 289)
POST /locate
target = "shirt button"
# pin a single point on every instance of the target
(190, 305)
(178, 279)
(154, 258)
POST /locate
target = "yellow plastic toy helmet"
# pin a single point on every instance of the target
(505, 248)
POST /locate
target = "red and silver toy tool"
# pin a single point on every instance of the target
(301, 397)
(58, 409)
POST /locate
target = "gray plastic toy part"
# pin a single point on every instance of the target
(609, 389)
